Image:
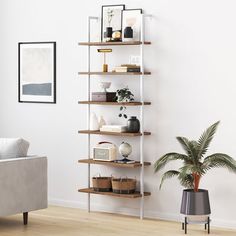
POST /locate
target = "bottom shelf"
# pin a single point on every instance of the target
(133, 195)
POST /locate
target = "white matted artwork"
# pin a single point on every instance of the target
(37, 72)
(132, 18)
(111, 17)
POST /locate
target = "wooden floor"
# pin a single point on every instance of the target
(56, 221)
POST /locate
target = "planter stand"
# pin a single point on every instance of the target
(196, 209)
(186, 222)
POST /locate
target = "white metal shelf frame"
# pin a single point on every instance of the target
(142, 33)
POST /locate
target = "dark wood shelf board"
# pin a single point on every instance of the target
(114, 164)
(132, 43)
(112, 133)
(115, 103)
(113, 73)
(134, 195)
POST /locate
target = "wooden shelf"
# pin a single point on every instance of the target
(114, 103)
(113, 73)
(114, 164)
(112, 133)
(132, 43)
(134, 195)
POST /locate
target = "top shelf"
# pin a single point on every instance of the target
(113, 43)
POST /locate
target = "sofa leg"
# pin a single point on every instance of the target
(25, 218)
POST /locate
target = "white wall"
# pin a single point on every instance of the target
(193, 82)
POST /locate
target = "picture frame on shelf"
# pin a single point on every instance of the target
(111, 21)
(37, 72)
(131, 24)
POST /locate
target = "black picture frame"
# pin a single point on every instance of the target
(107, 6)
(20, 86)
(126, 10)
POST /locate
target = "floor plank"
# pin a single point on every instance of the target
(60, 221)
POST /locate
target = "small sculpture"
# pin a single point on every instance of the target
(125, 150)
(105, 85)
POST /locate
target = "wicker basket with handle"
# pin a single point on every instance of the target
(102, 184)
(123, 185)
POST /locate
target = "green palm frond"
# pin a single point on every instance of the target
(219, 160)
(194, 164)
(167, 175)
(205, 139)
(172, 156)
(195, 151)
(192, 168)
(186, 180)
(187, 146)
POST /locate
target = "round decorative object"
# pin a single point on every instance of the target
(116, 35)
(125, 149)
(133, 125)
(105, 85)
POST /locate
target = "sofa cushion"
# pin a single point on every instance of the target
(13, 148)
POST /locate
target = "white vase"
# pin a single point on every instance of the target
(101, 122)
(94, 122)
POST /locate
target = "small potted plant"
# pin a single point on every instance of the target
(195, 201)
(124, 95)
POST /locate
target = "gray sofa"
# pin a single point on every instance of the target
(23, 184)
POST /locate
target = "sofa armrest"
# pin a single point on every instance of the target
(23, 184)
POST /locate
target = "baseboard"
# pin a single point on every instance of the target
(135, 212)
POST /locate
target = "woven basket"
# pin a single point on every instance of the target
(123, 185)
(102, 184)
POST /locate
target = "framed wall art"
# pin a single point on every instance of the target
(37, 72)
(111, 21)
(131, 20)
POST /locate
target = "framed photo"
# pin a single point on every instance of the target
(132, 18)
(111, 17)
(37, 72)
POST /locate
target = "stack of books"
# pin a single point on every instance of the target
(114, 128)
(127, 68)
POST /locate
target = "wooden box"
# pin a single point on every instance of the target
(104, 96)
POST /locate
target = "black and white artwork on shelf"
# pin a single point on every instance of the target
(111, 20)
(37, 72)
(132, 18)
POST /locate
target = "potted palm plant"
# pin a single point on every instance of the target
(195, 201)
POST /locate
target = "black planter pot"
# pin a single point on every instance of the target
(133, 125)
(195, 203)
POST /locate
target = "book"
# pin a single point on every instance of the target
(127, 68)
(133, 70)
(130, 66)
(124, 69)
(114, 128)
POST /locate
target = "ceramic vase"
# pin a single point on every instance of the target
(94, 125)
(133, 125)
(101, 122)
